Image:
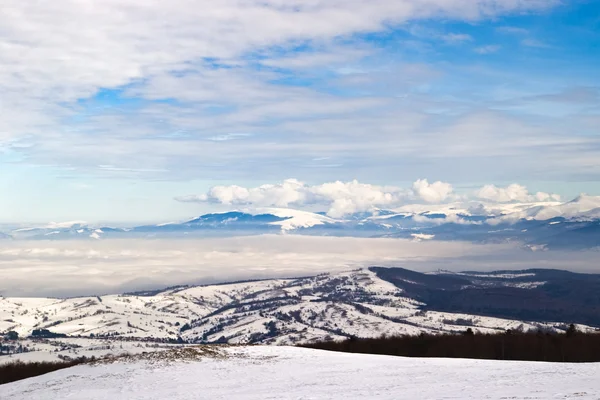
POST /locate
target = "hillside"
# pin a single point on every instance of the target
(360, 303)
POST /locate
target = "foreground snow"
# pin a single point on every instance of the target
(264, 372)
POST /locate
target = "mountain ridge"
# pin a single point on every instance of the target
(536, 226)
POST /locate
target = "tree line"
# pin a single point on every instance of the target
(570, 346)
(18, 370)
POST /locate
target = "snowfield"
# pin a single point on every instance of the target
(269, 372)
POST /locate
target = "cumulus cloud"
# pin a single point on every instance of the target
(341, 198)
(513, 193)
(289, 192)
(350, 197)
(344, 198)
(436, 192)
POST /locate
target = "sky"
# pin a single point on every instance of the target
(136, 110)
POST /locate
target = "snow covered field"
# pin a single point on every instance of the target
(269, 372)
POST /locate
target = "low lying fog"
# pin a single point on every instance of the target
(73, 268)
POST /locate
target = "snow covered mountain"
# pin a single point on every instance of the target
(361, 303)
(65, 230)
(581, 208)
(542, 225)
(260, 220)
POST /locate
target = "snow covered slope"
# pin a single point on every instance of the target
(281, 311)
(263, 372)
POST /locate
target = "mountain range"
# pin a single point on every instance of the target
(537, 226)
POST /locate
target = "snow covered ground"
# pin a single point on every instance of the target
(268, 372)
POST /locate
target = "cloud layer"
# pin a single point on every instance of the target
(343, 198)
(86, 268)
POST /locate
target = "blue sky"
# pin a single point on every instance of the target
(110, 113)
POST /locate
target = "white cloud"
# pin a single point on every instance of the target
(436, 192)
(289, 192)
(69, 49)
(341, 198)
(350, 197)
(513, 193)
(329, 57)
(55, 53)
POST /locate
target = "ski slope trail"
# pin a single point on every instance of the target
(271, 372)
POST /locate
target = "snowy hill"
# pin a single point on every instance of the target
(363, 303)
(267, 372)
